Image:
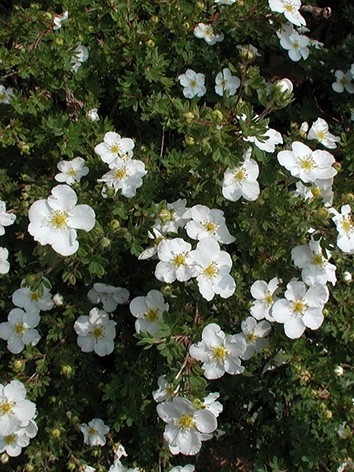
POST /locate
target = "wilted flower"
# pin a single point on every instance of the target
(272, 138)
(93, 115)
(81, 55)
(6, 219)
(172, 217)
(254, 333)
(108, 295)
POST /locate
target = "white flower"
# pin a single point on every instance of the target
(4, 263)
(151, 251)
(315, 44)
(345, 228)
(148, 311)
(81, 55)
(108, 295)
(19, 330)
(290, 9)
(206, 32)
(347, 277)
(315, 266)
(225, 2)
(193, 84)
(265, 295)
(6, 219)
(186, 426)
(242, 181)
(343, 82)
(15, 410)
(92, 115)
(94, 432)
(88, 468)
(71, 171)
(285, 85)
(59, 19)
(319, 131)
(32, 300)
(210, 403)
(54, 221)
(296, 45)
(13, 443)
(339, 371)
(58, 299)
(6, 95)
(166, 390)
(207, 223)
(174, 263)
(226, 82)
(306, 164)
(181, 468)
(212, 269)
(318, 188)
(301, 308)
(254, 333)
(172, 217)
(219, 353)
(96, 332)
(352, 70)
(248, 48)
(115, 150)
(272, 138)
(126, 176)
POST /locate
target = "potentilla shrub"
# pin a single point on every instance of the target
(176, 235)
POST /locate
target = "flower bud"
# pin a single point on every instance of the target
(55, 433)
(66, 370)
(154, 19)
(4, 458)
(189, 116)
(217, 114)
(150, 43)
(18, 365)
(114, 224)
(105, 242)
(59, 41)
(58, 299)
(285, 85)
(189, 140)
(48, 15)
(347, 277)
(339, 371)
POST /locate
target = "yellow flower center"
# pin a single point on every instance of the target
(343, 81)
(317, 260)
(251, 338)
(219, 353)
(5, 408)
(34, 296)
(2, 96)
(321, 135)
(92, 431)
(19, 328)
(115, 149)
(193, 83)
(152, 315)
(316, 191)
(296, 45)
(298, 307)
(72, 171)
(170, 390)
(186, 422)
(179, 260)
(211, 270)
(210, 226)
(223, 83)
(97, 332)
(289, 7)
(10, 439)
(59, 219)
(307, 163)
(347, 224)
(120, 174)
(240, 175)
(268, 299)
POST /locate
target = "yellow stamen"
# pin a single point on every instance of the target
(19, 328)
(72, 171)
(317, 260)
(179, 260)
(186, 422)
(298, 307)
(268, 299)
(97, 332)
(115, 149)
(152, 315)
(307, 163)
(59, 219)
(210, 226)
(211, 270)
(10, 439)
(120, 174)
(92, 431)
(347, 224)
(251, 338)
(219, 353)
(5, 408)
(240, 175)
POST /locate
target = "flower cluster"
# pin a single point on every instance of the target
(17, 414)
(126, 173)
(194, 83)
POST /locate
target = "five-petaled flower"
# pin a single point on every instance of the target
(148, 311)
(71, 171)
(242, 181)
(290, 9)
(94, 432)
(225, 82)
(193, 84)
(206, 32)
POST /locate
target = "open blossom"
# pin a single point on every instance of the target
(267, 141)
(54, 221)
(71, 171)
(6, 219)
(166, 390)
(345, 228)
(296, 45)
(186, 426)
(265, 296)
(242, 181)
(15, 410)
(219, 352)
(185, 468)
(208, 223)
(115, 150)
(290, 9)
(94, 432)
(126, 177)
(108, 295)
(254, 334)
(59, 19)
(172, 217)
(4, 263)
(13, 443)
(32, 300)
(81, 55)
(319, 132)
(210, 403)
(96, 332)
(206, 32)
(343, 82)
(193, 84)
(148, 311)
(306, 164)
(212, 268)
(301, 308)
(226, 82)
(318, 188)
(6, 95)
(19, 330)
(151, 251)
(174, 262)
(314, 264)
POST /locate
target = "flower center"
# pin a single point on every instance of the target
(19, 328)
(10, 439)
(2, 96)
(115, 149)
(193, 83)
(223, 83)
(179, 260)
(92, 431)
(240, 175)
(211, 270)
(268, 299)
(251, 338)
(34, 296)
(289, 7)
(170, 390)
(298, 307)
(321, 135)
(296, 45)
(72, 171)
(219, 353)
(59, 219)
(208, 31)
(343, 81)
(186, 422)
(317, 260)
(307, 163)
(97, 332)
(210, 226)
(346, 224)
(316, 191)
(5, 408)
(121, 174)
(152, 315)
